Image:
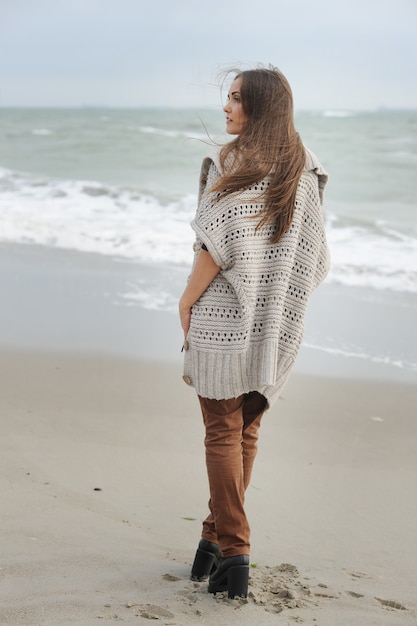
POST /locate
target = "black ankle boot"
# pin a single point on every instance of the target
(206, 560)
(232, 575)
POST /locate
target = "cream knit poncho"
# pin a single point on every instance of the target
(247, 327)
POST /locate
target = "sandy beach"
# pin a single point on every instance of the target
(103, 479)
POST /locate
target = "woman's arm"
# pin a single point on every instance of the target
(205, 269)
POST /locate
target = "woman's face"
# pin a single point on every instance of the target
(236, 118)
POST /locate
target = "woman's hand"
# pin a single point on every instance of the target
(185, 317)
(204, 271)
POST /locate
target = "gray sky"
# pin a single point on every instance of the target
(337, 54)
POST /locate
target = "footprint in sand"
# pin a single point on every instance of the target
(358, 574)
(391, 604)
(170, 577)
(153, 611)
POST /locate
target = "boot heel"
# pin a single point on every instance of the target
(206, 560)
(237, 581)
(203, 564)
(231, 575)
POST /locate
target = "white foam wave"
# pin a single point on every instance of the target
(151, 299)
(363, 356)
(127, 222)
(42, 131)
(90, 217)
(152, 130)
(338, 113)
(380, 258)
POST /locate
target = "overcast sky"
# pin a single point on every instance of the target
(338, 54)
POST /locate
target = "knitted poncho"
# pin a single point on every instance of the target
(247, 327)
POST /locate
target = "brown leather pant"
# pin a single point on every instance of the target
(231, 444)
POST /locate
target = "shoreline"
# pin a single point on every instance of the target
(63, 300)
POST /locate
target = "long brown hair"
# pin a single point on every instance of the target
(268, 144)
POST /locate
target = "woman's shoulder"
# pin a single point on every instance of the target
(212, 159)
(210, 168)
(313, 165)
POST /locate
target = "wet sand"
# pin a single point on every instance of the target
(103, 480)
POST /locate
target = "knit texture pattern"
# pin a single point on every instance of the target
(247, 327)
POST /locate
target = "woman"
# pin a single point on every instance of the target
(260, 250)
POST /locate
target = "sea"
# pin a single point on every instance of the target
(123, 183)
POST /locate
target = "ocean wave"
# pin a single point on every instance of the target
(129, 222)
(338, 113)
(372, 255)
(150, 298)
(42, 131)
(92, 217)
(364, 356)
(152, 130)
